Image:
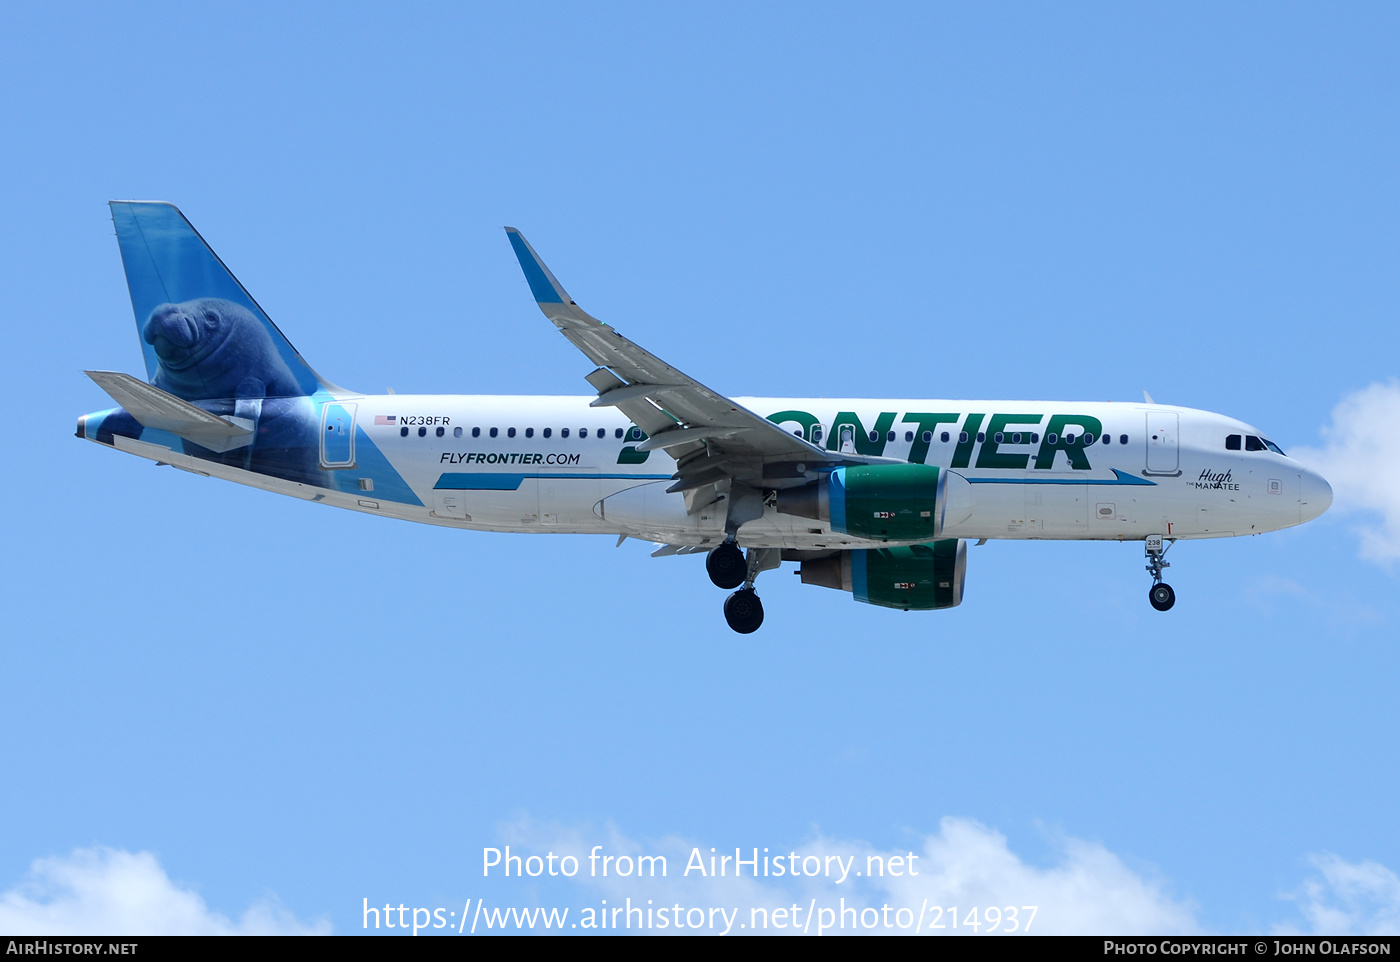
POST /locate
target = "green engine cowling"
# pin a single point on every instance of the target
(920, 577)
(882, 502)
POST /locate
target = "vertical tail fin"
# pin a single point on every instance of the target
(202, 334)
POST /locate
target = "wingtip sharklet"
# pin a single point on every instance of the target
(543, 284)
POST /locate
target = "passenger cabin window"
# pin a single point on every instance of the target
(548, 431)
(510, 432)
(583, 432)
(908, 435)
(817, 433)
(890, 436)
(441, 431)
(1122, 439)
(563, 432)
(981, 436)
(476, 432)
(618, 434)
(1232, 442)
(422, 432)
(403, 432)
(943, 437)
(529, 432)
(874, 436)
(962, 437)
(456, 432)
(494, 432)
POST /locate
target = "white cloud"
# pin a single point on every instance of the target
(103, 891)
(964, 864)
(1350, 898)
(1087, 890)
(1361, 460)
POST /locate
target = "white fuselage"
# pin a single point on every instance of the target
(551, 464)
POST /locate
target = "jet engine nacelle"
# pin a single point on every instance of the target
(917, 577)
(884, 502)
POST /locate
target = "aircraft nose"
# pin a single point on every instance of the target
(1314, 496)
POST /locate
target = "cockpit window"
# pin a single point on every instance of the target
(1251, 443)
(1273, 447)
(1232, 442)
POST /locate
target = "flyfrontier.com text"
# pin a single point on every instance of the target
(755, 863)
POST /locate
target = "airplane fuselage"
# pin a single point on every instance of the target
(1034, 470)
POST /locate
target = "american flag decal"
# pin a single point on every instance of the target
(384, 419)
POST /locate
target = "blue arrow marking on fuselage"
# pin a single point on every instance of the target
(454, 481)
(1120, 477)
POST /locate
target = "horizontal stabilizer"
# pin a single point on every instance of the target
(156, 409)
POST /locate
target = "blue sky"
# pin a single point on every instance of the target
(247, 698)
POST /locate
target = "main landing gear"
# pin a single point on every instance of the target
(726, 566)
(743, 610)
(729, 568)
(1161, 595)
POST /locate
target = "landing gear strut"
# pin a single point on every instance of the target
(742, 610)
(1160, 595)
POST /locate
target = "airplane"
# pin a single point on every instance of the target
(878, 498)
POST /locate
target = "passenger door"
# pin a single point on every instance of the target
(337, 435)
(1163, 448)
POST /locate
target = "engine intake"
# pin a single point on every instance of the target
(882, 502)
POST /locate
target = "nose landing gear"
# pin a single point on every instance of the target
(1160, 595)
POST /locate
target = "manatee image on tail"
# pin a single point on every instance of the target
(210, 348)
(220, 354)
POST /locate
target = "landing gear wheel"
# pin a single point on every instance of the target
(1161, 596)
(726, 567)
(743, 611)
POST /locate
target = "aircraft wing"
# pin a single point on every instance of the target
(711, 437)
